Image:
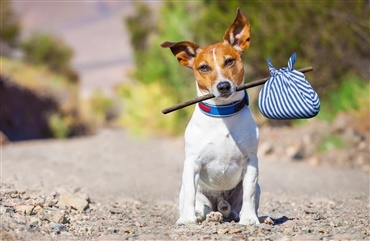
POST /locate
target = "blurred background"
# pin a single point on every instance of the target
(71, 68)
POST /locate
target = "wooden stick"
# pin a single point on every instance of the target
(210, 96)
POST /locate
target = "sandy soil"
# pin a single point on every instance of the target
(111, 186)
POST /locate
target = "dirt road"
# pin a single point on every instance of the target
(131, 187)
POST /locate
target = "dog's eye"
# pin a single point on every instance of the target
(204, 68)
(229, 62)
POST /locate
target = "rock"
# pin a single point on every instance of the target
(32, 222)
(24, 209)
(20, 219)
(235, 231)
(73, 201)
(4, 210)
(222, 231)
(38, 209)
(59, 218)
(51, 203)
(57, 227)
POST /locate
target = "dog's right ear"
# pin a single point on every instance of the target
(184, 51)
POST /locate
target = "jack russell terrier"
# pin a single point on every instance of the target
(220, 175)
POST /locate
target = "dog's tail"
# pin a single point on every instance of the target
(224, 208)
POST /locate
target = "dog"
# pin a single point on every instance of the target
(220, 173)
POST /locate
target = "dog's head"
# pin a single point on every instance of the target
(218, 68)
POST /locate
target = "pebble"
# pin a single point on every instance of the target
(4, 210)
(71, 200)
(222, 231)
(57, 227)
(235, 230)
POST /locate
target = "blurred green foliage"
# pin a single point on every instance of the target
(98, 109)
(58, 126)
(352, 95)
(331, 142)
(10, 27)
(53, 52)
(331, 36)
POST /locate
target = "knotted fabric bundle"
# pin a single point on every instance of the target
(287, 94)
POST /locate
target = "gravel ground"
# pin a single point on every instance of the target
(113, 187)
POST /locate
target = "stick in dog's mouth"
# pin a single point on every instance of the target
(210, 96)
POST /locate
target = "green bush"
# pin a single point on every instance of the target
(48, 50)
(331, 142)
(10, 27)
(351, 96)
(98, 108)
(142, 110)
(59, 126)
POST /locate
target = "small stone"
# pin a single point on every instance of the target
(73, 201)
(14, 195)
(21, 220)
(235, 230)
(128, 230)
(33, 222)
(57, 217)
(26, 196)
(4, 210)
(52, 203)
(222, 231)
(24, 209)
(37, 209)
(57, 227)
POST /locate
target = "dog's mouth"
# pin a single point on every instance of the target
(226, 95)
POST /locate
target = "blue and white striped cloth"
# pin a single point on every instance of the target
(287, 94)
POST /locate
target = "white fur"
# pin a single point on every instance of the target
(221, 164)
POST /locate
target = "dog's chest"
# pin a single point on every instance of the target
(221, 148)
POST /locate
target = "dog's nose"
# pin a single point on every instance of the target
(224, 87)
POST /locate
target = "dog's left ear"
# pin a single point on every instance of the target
(184, 51)
(239, 33)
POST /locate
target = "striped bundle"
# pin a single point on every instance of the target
(287, 94)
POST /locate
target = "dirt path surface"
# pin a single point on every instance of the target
(111, 186)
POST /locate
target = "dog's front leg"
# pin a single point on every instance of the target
(188, 191)
(248, 214)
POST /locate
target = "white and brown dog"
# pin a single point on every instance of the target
(221, 167)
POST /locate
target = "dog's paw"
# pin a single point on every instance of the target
(214, 217)
(186, 220)
(252, 220)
